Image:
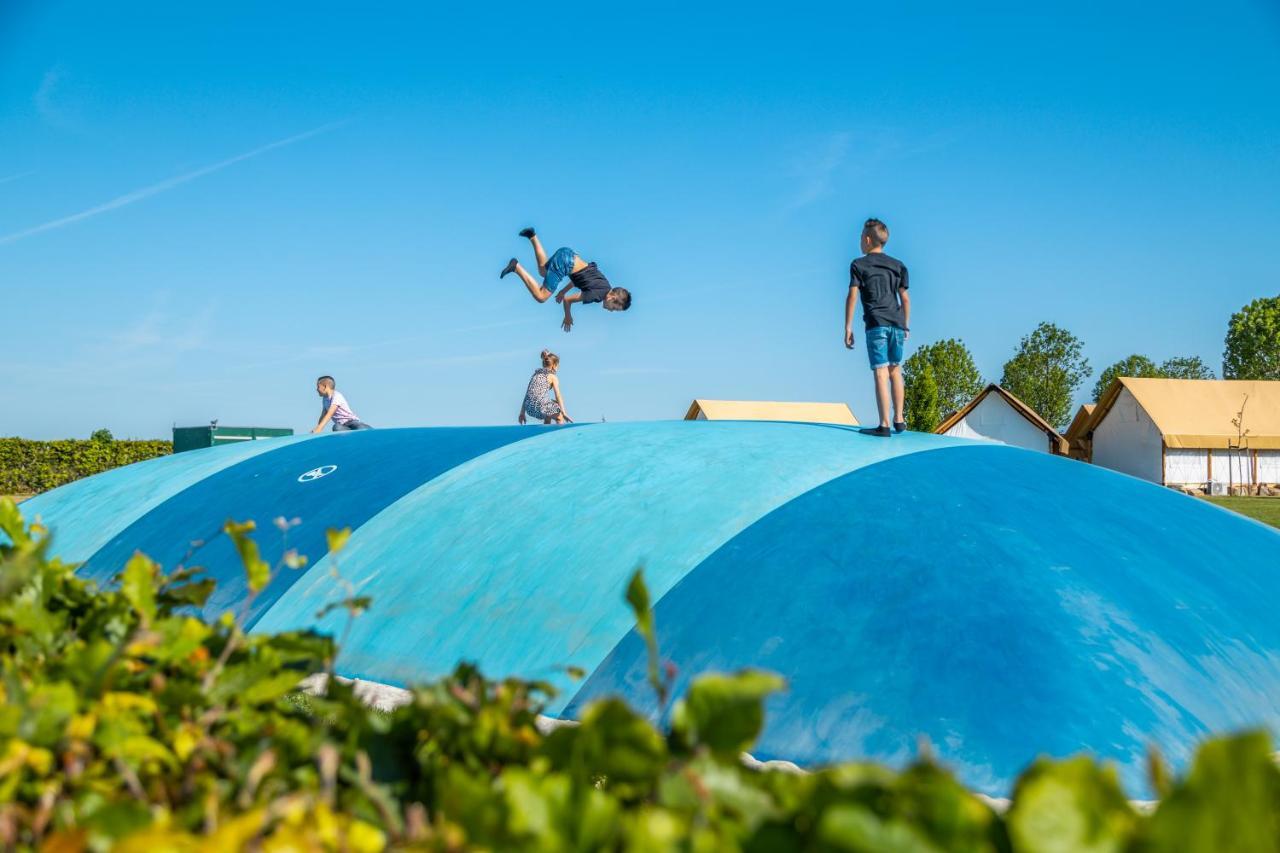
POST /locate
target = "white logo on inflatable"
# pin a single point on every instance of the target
(317, 473)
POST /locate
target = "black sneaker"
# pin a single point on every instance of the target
(527, 232)
(880, 432)
(509, 268)
(899, 426)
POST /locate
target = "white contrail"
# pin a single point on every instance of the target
(7, 178)
(163, 186)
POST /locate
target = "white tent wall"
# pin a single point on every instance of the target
(1268, 466)
(995, 420)
(1186, 467)
(1127, 440)
(1233, 467)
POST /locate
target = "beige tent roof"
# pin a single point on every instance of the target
(761, 410)
(1084, 415)
(1197, 413)
(1058, 443)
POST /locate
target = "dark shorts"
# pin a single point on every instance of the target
(348, 425)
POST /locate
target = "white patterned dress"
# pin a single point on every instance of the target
(538, 402)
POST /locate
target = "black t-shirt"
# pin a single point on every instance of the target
(878, 278)
(591, 282)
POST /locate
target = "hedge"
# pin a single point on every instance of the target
(29, 467)
(126, 723)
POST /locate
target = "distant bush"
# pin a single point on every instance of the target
(29, 467)
(127, 723)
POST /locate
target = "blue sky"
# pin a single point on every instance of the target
(204, 206)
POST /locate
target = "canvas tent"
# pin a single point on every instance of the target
(997, 415)
(760, 410)
(1179, 432)
(1077, 434)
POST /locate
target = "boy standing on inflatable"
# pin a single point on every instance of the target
(586, 277)
(881, 282)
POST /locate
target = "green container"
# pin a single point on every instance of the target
(194, 438)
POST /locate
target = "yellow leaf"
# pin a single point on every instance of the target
(81, 726)
(337, 538)
(186, 739)
(40, 760)
(364, 838)
(116, 702)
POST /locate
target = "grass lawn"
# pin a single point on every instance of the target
(1266, 510)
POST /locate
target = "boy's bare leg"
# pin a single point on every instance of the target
(540, 254)
(895, 380)
(882, 395)
(536, 289)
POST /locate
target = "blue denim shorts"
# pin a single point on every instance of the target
(884, 345)
(559, 265)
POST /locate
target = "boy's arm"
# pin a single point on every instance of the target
(567, 325)
(324, 419)
(850, 306)
(564, 290)
(904, 296)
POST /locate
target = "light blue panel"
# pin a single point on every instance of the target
(87, 514)
(518, 559)
(1000, 602)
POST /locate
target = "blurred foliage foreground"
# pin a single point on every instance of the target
(126, 723)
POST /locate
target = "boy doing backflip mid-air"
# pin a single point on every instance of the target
(564, 263)
(881, 282)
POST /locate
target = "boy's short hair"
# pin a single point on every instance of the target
(623, 297)
(877, 231)
(327, 381)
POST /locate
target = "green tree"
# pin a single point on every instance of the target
(1253, 341)
(955, 375)
(1046, 371)
(921, 400)
(1138, 366)
(103, 435)
(1186, 367)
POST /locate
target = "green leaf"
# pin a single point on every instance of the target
(612, 741)
(1071, 805)
(725, 713)
(638, 599)
(355, 606)
(11, 523)
(256, 569)
(137, 583)
(1230, 800)
(859, 830)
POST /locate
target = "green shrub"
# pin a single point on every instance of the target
(126, 723)
(29, 467)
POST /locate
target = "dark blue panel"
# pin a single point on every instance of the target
(373, 469)
(1000, 602)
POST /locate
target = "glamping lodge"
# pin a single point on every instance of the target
(1211, 434)
(759, 410)
(1077, 433)
(997, 415)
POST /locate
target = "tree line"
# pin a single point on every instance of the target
(1049, 366)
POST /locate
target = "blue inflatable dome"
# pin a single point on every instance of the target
(999, 602)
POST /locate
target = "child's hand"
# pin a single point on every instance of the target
(567, 325)
(521, 419)
(560, 297)
(848, 339)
